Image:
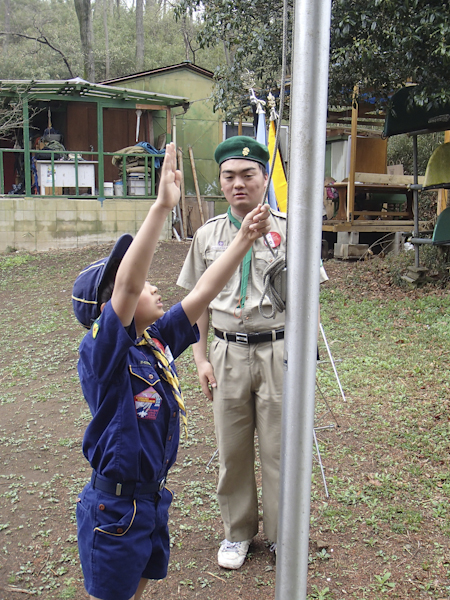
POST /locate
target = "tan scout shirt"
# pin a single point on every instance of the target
(209, 242)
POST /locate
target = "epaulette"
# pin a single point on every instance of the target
(216, 218)
(278, 213)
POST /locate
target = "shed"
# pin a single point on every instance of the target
(200, 128)
(62, 203)
(93, 121)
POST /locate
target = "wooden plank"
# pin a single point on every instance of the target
(183, 193)
(197, 190)
(380, 178)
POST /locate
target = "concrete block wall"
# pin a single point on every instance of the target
(55, 223)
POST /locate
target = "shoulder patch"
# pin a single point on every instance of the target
(95, 328)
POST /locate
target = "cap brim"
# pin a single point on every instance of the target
(117, 254)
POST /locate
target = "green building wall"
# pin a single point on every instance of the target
(199, 128)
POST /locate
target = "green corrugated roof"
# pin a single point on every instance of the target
(91, 92)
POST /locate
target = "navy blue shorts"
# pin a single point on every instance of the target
(121, 539)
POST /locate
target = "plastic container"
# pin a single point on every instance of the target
(108, 188)
(118, 188)
(136, 185)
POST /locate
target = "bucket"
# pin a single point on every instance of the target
(108, 188)
(136, 185)
(118, 188)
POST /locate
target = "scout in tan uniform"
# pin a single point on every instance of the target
(244, 374)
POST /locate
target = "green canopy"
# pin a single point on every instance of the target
(405, 116)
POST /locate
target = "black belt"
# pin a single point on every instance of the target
(251, 338)
(125, 489)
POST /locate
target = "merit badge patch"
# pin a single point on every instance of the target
(147, 404)
(273, 238)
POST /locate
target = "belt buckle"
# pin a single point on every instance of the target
(241, 338)
(162, 484)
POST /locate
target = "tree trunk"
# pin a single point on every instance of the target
(140, 41)
(84, 14)
(7, 24)
(105, 26)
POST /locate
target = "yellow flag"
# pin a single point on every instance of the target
(278, 176)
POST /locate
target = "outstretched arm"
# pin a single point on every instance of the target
(213, 280)
(133, 269)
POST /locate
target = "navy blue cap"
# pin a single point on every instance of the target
(88, 283)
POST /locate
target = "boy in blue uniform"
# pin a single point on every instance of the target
(130, 383)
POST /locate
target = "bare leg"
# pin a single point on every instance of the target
(137, 595)
(143, 582)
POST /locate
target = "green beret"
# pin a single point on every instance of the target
(241, 146)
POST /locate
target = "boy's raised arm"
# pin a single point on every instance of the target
(133, 269)
(213, 280)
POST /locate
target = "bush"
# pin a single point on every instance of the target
(400, 151)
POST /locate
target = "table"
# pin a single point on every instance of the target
(386, 189)
(64, 174)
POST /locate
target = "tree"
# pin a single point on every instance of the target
(84, 14)
(106, 32)
(375, 44)
(382, 44)
(140, 39)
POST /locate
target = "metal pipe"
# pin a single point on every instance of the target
(416, 199)
(311, 40)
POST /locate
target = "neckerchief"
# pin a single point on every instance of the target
(245, 263)
(169, 375)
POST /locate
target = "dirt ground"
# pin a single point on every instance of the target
(42, 420)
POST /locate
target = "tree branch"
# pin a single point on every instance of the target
(42, 39)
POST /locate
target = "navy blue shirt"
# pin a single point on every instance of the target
(135, 430)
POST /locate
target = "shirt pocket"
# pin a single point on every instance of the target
(211, 255)
(262, 259)
(147, 400)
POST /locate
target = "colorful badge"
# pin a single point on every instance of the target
(273, 238)
(147, 404)
(95, 328)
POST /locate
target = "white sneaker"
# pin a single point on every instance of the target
(231, 555)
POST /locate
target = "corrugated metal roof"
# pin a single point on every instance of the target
(90, 91)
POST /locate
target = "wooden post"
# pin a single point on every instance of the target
(197, 190)
(351, 177)
(183, 193)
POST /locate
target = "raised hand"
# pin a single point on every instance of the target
(256, 223)
(170, 182)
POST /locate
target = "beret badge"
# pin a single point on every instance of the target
(245, 151)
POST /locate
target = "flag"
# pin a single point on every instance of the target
(278, 175)
(261, 137)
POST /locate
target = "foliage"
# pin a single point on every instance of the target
(166, 40)
(366, 38)
(251, 34)
(400, 151)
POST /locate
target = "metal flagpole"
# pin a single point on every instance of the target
(307, 159)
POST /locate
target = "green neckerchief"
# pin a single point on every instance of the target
(245, 263)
